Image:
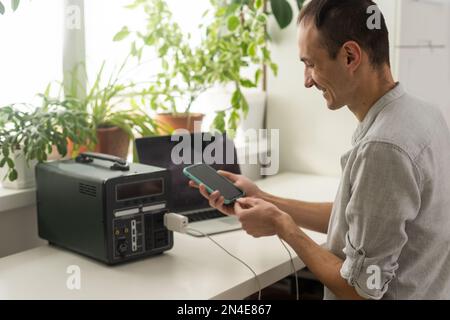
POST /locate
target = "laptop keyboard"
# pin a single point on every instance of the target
(200, 216)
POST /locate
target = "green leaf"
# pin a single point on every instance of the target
(10, 162)
(133, 50)
(247, 83)
(300, 4)
(282, 11)
(232, 8)
(122, 34)
(221, 12)
(163, 50)
(13, 175)
(262, 18)
(236, 98)
(251, 49)
(258, 4)
(274, 68)
(2, 8)
(165, 65)
(150, 40)
(219, 121)
(266, 53)
(233, 120)
(258, 74)
(5, 151)
(244, 106)
(3, 162)
(14, 4)
(232, 23)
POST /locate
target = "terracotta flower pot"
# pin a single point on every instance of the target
(189, 121)
(114, 141)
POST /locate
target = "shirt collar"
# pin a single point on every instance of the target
(370, 117)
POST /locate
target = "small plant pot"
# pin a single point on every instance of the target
(25, 173)
(114, 141)
(54, 155)
(169, 122)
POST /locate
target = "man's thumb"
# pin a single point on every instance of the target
(247, 201)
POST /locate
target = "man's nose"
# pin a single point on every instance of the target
(309, 82)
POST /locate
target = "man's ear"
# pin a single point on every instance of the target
(353, 54)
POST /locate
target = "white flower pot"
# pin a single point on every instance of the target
(219, 99)
(25, 173)
(255, 118)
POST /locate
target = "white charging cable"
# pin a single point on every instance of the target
(297, 293)
(179, 223)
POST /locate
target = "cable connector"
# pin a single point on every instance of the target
(176, 222)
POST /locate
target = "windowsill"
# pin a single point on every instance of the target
(11, 199)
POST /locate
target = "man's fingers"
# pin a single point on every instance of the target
(239, 209)
(213, 198)
(220, 201)
(233, 177)
(203, 191)
(248, 201)
(216, 200)
(228, 210)
(193, 184)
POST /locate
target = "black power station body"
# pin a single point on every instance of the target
(104, 208)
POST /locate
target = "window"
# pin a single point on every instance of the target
(113, 16)
(31, 50)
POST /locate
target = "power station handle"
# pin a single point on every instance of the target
(118, 163)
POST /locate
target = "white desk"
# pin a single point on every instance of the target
(194, 269)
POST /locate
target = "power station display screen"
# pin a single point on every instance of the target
(139, 189)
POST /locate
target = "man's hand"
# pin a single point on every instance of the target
(260, 218)
(216, 200)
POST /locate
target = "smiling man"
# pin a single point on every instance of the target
(389, 226)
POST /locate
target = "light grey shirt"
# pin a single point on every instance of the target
(390, 221)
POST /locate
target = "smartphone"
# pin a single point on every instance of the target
(205, 174)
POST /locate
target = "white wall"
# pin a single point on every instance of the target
(18, 231)
(312, 138)
(422, 50)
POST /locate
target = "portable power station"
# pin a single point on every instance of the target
(101, 206)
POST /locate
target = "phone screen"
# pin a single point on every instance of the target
(209, 177)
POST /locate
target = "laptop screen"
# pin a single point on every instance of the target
(157, 151)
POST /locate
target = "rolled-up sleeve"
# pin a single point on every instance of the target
(385, 195)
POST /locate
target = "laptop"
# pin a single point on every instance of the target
(185, 200)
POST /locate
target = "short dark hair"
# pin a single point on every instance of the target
(340, 21)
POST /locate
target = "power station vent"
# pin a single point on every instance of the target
(87, 189)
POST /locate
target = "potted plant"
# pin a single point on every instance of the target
(113, 114)
(28, 134)
(234, 40)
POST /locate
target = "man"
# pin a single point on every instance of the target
(389, 227)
